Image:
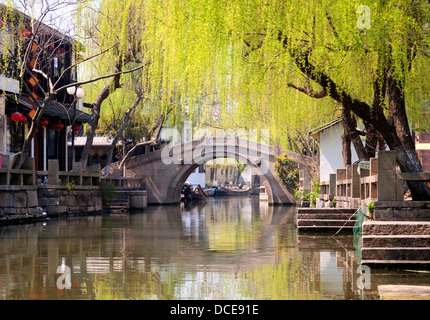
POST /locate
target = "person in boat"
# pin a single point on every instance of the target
(186, 191)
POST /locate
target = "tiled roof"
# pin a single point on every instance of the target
(54, 109)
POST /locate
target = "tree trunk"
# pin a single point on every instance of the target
(350, 125)
(346, 148)
(396, 132)
(96, 107)
(408, 156)
(372, 139)
(127, 117)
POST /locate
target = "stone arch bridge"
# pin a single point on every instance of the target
(165, 170)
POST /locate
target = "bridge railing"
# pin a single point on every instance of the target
(119, 181)
(28, 176)
(349, 186)
(123, 181)
(16, 177)
(377, 179)
(80, 177)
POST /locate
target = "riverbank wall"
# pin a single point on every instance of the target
(32, 203)
(28, 195)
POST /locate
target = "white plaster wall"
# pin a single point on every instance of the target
(331, 151)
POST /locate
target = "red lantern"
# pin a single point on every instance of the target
(25, 33)
(77, 127)
(43, 122)
(58, 126)
(23, 120)
(16, 116)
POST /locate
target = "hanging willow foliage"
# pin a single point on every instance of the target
(234, 55)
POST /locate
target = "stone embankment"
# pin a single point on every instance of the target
(33, 203)
(395, 243)
(325, 219)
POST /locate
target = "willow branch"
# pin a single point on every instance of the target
(79, 83)
(310, 92)
(84, 60)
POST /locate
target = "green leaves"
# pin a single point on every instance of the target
(233, 59)
(287, 171)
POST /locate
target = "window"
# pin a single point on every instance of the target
(16, 133)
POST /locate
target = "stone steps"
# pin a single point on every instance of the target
(399, 253)
(326, 216)
(325, 222)
(118, 204)
(121, 199)
(325, 219)
(396, 227)
(326, 210)
(395, 242)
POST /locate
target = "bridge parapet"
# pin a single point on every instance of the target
(196, 151)
(165, 171)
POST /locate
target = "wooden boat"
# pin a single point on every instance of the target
(210, 192)
(232, 192)
(254, 190)
(190, 192)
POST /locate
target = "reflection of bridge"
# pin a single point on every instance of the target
(165, 171)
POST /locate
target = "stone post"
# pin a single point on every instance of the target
(332, 185)
(53, 171)
(355, 185)
(5, 161)
(389, 187)
(5, 176)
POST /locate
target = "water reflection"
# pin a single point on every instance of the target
(231, 248)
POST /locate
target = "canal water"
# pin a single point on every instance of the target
(222, 248)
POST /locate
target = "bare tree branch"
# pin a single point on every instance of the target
(79, 83)
(310, 92)
(84, 60)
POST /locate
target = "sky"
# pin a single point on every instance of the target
(60, 13)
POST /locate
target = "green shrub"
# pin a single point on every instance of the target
(306, 195)
(107, 191)
(371, 209)
(287, 171)
(315, 191)
(333, 203)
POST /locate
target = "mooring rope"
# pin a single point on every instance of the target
(359, 208)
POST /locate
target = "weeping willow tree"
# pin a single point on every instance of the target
(117, 30)
(111, 31)
(31, 48)
(288, 64)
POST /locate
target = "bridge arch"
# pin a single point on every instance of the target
(164, 171)
(180, 178)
